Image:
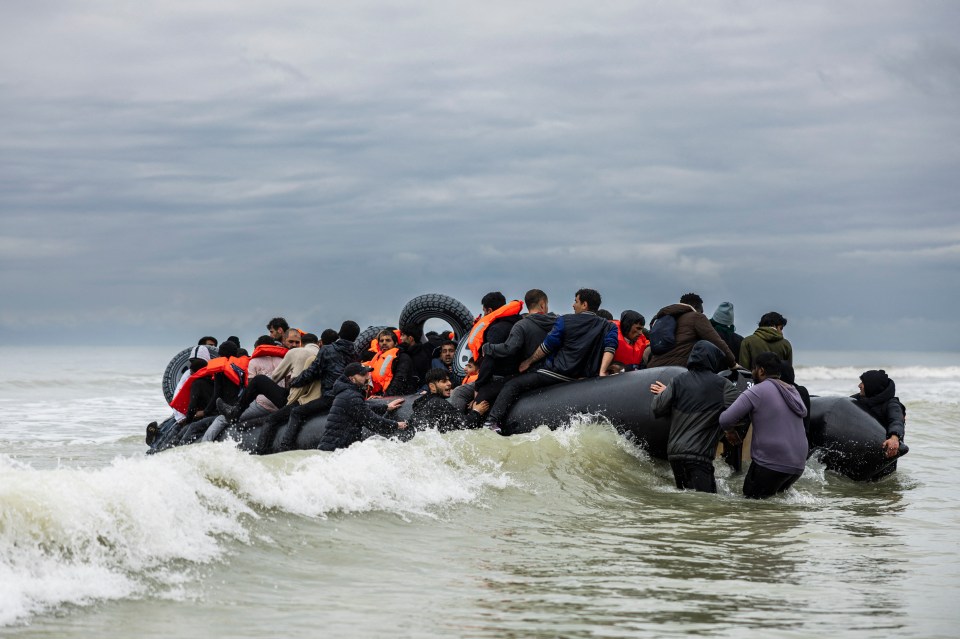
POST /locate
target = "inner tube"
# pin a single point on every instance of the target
(437, 306)
(848, 440)
(177, 367)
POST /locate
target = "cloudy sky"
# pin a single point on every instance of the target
(180, 168)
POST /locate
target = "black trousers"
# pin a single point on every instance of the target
(262, 385)
(761, 482)
(694, 475)
(514, 388)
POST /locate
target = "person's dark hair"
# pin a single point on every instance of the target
(591, 298)
(605, 314)
(494, 300)
(533, 297)
(197, 364)
(628, 319)
(436, 375)
(349, 330)
(329, 336)
(229, 349)
(772, 319)
(472, 361)
(387, 332)
(207, 338)
(693, 300)
(787, 373)
(263, 340)
(414, 331)
(278, 322)
(309, 338)
(234, 339)
(770, 363)
(448, 342)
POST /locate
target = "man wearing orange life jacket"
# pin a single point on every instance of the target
(631, 342)
(493, 328)
(392, 370)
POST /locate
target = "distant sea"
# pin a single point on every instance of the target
(572, 532)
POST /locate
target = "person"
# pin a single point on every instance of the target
(208, 340)
(605, 314)
(527, 334)
(877, 396)
(722, 322)
(434, 410)
(767, 337)
(779, 446)
(631, 342)
(392, 367)
(789, 376)
(691, 326)
(694, 401)
(420, 352)
(350, 413)
(277, 328)
(331, 360)
(493, 328)
(444, 361)
(328, 336)
(580, 344)
(292, 338)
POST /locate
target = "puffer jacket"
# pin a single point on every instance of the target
(691, 328)
(328, 366)
(433, 411)
(886, 408)
(349, 414)
(765, 338)
(576, 345)
(524, 338)
(694, 401)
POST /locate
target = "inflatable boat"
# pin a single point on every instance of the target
(842, 436)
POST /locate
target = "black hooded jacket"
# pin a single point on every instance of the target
(886, 408)
(694, 400)
(433, 411)
(328, 365)
(525, 337)
(349, 414)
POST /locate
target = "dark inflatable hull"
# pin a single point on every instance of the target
(848, 440)
(844, 438)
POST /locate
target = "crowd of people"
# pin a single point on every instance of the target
(292, 376)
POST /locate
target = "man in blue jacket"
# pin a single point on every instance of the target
(581, 344)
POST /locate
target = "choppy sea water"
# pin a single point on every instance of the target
(570, 533)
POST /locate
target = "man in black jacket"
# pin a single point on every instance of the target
(420, 352)
(580, 344)
(878, 397)
(694, 401)
(434, 410)
(350, 413)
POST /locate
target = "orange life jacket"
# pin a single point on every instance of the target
(471, 378)
(479, 330)
(382, 365)
(269, 350)
(627, 353)
(233, 368)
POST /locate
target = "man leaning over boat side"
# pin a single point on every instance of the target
(694, 401)
(433, 409)
(580, 344)
(877, 397)
(692, 326)
(350, 413)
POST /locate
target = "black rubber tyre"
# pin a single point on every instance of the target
(177, 366)
(362, 343)
(437, 306)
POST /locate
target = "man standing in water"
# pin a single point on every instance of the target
(779, 446)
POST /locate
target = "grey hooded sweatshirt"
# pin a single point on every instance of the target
(777, 411)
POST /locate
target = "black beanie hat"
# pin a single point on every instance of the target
(874, 382)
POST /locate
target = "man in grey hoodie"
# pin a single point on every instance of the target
(779, 446)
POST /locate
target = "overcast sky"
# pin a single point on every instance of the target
(179, 168)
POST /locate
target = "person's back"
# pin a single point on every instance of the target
(722, 322)
(767, 338)
(295, 362)
(694, 400)
(331, 360)
(692, 326)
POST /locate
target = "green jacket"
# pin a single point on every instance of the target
(765, 338)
